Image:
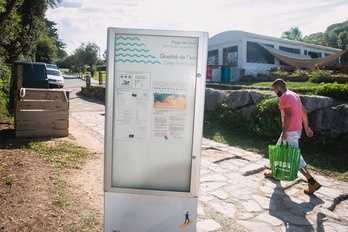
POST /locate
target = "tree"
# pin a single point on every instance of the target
(52, 33)
(313, 38)
(22, 23)
(329, 40)
(46, 50)
(5, 10)
(87, 54)
(293, 34)
(343, 40)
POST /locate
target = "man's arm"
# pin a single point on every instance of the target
(286, 123)
(308, 130)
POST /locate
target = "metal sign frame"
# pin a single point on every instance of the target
(200, 80)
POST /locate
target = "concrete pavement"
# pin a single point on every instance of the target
(235, 196)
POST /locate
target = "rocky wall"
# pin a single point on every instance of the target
(324, 117)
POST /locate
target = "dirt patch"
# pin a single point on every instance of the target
(29, 188)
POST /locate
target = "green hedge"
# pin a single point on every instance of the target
(334, 90)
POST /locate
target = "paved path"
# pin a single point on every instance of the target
(234, 195)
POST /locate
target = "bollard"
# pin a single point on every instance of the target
(88, 80)
(100, 78)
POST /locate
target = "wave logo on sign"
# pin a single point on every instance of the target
(132, 50)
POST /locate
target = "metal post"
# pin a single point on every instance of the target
(100, 78)
(88, 80)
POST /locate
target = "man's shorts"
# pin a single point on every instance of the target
(292, 140)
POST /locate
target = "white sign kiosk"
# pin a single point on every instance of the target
(153, 129)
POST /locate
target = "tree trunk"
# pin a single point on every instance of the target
(4, 16)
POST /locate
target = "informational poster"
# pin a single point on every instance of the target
(131, 110)
(154, 101)
(153, 132)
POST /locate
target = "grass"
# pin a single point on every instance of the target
(66, 70)
(62, 199)
(63, 155)
(86, 222)
(221, 133)
(96, 76)
(326, 156)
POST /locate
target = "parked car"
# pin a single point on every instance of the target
(51, 66)
(55, 78)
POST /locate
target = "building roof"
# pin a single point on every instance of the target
(227, 37)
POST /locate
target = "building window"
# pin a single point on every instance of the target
(314, 54)
(291, 50)
(305, 52)
(230, 56)
(213, 57)
(257, 54)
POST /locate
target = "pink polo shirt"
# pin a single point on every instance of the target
(292, 100)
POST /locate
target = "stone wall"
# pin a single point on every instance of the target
(95, 92)
(324, 117)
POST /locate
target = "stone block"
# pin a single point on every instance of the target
(332, 122)
(256, 96)
(313, 103)
(238, 99)
(214, 99)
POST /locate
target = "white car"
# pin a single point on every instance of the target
(55, 78)
(51, 66)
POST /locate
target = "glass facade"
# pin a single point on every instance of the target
(291, 50)
(213, 57)
(230, 56)
(257, 54)
(314, 54)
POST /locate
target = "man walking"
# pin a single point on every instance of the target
(293, 115)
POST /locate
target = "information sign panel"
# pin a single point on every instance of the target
(154, 114)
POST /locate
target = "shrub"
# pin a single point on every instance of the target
(265, 122)
(334, 90)
(299, 73)
(5, 78)
(304, 90)
(280, 74)
(315, 78)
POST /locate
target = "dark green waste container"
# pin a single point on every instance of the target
(34, 74)
(225, 74)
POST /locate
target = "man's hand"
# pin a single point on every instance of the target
(309, 132)
(284, 136)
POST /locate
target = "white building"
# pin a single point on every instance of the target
(248, 54)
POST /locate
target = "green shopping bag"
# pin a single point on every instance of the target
(284, 161)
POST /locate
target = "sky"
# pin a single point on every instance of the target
(83, 21)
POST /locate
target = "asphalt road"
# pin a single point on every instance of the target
(72, 82)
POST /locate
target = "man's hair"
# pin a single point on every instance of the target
(279, 82)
